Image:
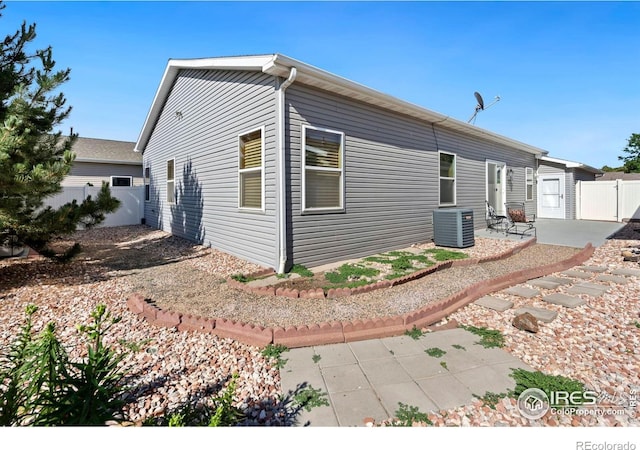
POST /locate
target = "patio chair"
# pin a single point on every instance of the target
(496, 221)
(520, 222)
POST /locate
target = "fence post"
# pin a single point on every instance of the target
(578, 200)
(620, 200)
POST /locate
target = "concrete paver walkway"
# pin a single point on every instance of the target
(370, 378)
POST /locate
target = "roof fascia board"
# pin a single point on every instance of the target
(307, 74)
(571, 164)
(169, 76)
(280, 65)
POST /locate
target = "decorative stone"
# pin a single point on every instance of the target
(542, 314)
(627, 272)
(543, 284)
(596, 269)
(526, 322)
(612, 279)
(592, 289)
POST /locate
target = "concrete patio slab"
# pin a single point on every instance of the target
(446, 391)
(542, 314)
(612, 279)
(543, 284)
(577, 274)
(494, 303)
(627, 272)
(522, 291)
(352, 407)
(391, 395)
(564, 300)
(365, 379)
(334, 355)
(594, 290)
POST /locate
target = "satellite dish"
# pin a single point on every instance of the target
(480, 101)
(480, 106)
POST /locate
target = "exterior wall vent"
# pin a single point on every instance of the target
(453, 227)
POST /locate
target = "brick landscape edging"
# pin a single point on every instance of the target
(340, 332)
(343, 292)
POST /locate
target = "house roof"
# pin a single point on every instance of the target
(571, 164)
(608, 176)
(106, 151)
(280, 65)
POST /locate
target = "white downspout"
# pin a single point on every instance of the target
(280, 118)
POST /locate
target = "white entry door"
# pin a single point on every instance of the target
(496, 186)
(551, 201)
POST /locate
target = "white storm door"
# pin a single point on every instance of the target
(551, 201)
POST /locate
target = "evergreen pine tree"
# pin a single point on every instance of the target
(34, 159)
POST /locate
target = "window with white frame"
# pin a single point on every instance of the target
(121, 181)
(251, 170)
(323, 170)
(171, 186)
(447, 178)
(529, 183)
(147, 184)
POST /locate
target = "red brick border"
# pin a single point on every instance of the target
(339, 332)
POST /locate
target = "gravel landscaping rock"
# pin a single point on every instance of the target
(596, 343)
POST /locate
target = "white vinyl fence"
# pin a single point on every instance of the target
(614, 200)
(130, 212)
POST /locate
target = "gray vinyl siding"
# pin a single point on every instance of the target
(199, 126)
(391, 177)
(95, 173)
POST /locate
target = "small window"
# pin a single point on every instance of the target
(323, 173)
(171, 187)
(147, 184)
(447, 179)
(251, 170)
(529, 183)
(120, 181)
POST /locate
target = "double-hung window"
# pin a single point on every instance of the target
(447, 179)
(322, 170)
(251, 170)
(171, 186)
(529, 183)
(121, 181)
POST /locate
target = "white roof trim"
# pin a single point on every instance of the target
(280, 65)
(108, 161)
(570, 164)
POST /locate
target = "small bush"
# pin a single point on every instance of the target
(350, 273)
(488, 338)
(526, 379)
(301, 270)
(407, 415)
(435, 352)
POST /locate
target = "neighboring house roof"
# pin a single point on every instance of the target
(608, 176)
(571, 164)
(106, 151)
(280, 65)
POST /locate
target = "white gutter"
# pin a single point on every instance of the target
(281, 143)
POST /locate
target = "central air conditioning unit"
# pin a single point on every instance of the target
(453, 227)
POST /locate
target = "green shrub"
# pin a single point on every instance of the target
(406, 416)
(526, 379)
(350, 274)
(41, 385)
(414, 333)
(301, 270)
(488, 338)
(435, 352)
(445, 255)
(274, 352)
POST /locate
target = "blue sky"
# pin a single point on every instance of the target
(567, 73)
